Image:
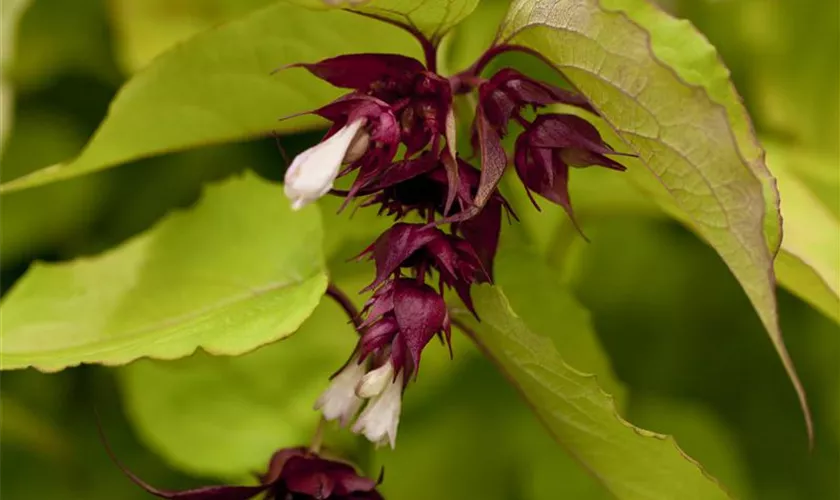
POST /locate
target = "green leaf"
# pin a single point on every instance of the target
(143, 30)
(237, 271)
(701, 431)
(664, 90)
(224, 417)
(432, 18)
(548, 308)
(808, 263)
(218, 86)
(631, 463)
(262, 401)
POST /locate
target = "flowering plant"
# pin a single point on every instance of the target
(440, 191)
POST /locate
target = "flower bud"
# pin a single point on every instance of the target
(375, 381)
(339, 400)
(312, 173)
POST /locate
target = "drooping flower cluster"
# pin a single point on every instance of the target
(396, 130)
(293, 473)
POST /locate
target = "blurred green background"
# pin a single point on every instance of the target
(677, 342)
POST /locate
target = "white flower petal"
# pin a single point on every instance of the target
(312, 173)
(339, 400)
(380, 418)
(375, 381)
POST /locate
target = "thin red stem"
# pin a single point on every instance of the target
(429, 48)
(344, 301)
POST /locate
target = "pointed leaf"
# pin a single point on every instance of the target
(631, 463)
(263, 400)
(237, 271)
(219, 87)
(664, 90)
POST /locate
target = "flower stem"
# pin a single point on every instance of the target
(429, 48)
(318, 438)
(344, 301)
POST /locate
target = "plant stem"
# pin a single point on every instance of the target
(344, 301)
(429, 48)
(318, 438)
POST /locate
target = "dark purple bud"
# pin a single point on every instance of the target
(421, 314)
(309, 476)
(382, 123)
(508, 91)
(292, 473)
(378, 335)
(549, 146)
(393, 248)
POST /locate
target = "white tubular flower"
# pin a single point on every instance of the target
(339, 401)
(313, 172)
(378, 422)
(375, 381)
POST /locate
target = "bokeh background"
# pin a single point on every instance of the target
(675, 339)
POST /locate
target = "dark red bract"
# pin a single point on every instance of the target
(503, 97)
(293, 473)
(552, 144)
(402, 317)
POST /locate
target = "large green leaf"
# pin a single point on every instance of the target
(432, 18)
(663, 89)
(263, 400)
(218, 86)
(224, 417)
(144, 30)
(237, 271)
(548, 308)
(632, 463)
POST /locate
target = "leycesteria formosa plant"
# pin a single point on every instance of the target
(426, 151)
(395, 129)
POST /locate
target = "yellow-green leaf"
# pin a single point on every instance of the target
(663, 89)
(219, 87)
(224, 417)
(631, 463)
(237, 271)
(432, 18)
(144, 30)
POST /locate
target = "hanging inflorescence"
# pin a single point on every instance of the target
(395, 129)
